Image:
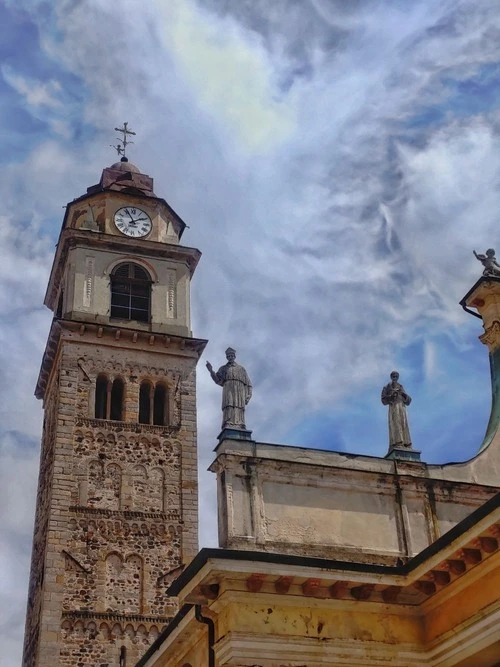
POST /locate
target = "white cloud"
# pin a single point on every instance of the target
(231, 74)
(36, 93)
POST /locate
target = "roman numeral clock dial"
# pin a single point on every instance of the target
(132, 221)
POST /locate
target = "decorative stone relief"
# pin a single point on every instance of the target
(104, 485)
(139, 488)
(88, 284)
(157, 481)
(171, 293)
(491, 336)
(123, 591)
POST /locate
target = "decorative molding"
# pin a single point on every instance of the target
(171, 293)
(107, 332)
(114, 616)
(132, 427)
(88, 283)
(491, 336)
(237, 647)
(126, 514)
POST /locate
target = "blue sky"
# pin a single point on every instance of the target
(336, 162)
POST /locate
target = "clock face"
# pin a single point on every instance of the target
(133, 221)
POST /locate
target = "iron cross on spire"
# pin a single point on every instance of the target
(121, 149)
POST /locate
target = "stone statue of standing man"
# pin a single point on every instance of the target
(236, 390)
(394, 395)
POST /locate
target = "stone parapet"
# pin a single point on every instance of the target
(326, 504)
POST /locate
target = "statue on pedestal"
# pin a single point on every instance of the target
(489, 261)
(394, 395)
(236, 390)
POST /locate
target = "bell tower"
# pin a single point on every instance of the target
(117, 505)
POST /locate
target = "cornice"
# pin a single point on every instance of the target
(103, 334)
(114, 616)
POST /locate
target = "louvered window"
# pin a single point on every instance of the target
(130, 293)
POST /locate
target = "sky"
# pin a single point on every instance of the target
(336, 163)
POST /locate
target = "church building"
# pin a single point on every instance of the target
(330, 558)
(324, 558)
(117, 503)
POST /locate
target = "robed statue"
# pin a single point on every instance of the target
(236, 390)
(394, 395)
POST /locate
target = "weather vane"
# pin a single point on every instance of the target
(121, 147)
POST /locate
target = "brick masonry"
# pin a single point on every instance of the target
(117, 506)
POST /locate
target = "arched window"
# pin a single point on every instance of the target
(130, 293)
(153, 404)
(109, 398)
(145, 403)
(116, 406)
(160, 405)
(101, 397)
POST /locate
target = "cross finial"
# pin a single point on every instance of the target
(121, 149)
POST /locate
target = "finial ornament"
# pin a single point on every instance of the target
(121, 147)
(394, 395)
(236, 390)
(118, 148)
(489, 261)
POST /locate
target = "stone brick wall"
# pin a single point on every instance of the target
(96, 642)
(43, 500)
(119, 510)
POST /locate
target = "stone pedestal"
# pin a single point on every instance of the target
(234, 434)
(403, 454)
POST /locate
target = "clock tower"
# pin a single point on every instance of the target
(117, 506)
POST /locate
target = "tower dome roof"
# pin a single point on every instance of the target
(125, 165)
(123, 176)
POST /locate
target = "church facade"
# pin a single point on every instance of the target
(117, 503)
